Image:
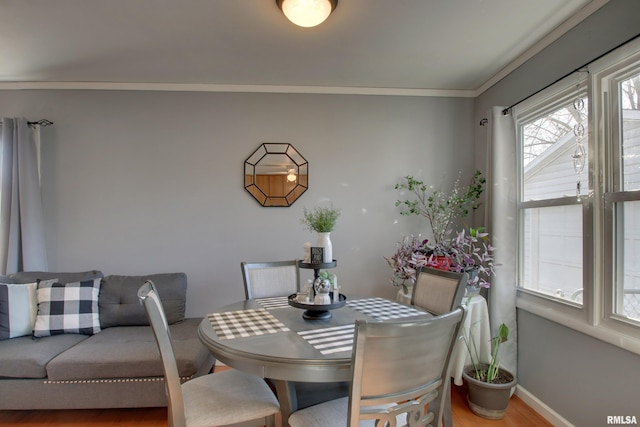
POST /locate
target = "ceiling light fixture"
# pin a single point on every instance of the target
(307, 13)
(292, 176)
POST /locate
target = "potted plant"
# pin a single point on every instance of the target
(471, 252)
(412, 253)
(488, 385)
(440, 256)
(441, 209)
(322, 220)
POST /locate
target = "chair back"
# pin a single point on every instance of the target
(402, 361)
(438, 291)
(150, 300)
(270, 279)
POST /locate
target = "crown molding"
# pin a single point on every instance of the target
(179, 87)
(563, 28)
(560, 30)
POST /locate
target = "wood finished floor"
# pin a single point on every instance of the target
(518, 415)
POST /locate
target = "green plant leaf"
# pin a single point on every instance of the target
(503, 333)
(320, 220)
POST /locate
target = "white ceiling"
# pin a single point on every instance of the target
(459, 46)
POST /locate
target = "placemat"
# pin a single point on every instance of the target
(274, 302)
(330, 340)
(245, 323)
(383, 309)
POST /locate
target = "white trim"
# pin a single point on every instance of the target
(558, 32)
(563, 28)
(541, 408)
(196, 87)
(602, 332)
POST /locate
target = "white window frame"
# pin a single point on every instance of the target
(596, 316)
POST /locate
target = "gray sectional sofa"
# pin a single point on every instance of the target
(117, 367)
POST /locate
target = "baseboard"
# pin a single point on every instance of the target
(541, 408)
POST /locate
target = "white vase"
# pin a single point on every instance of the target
(324, 242)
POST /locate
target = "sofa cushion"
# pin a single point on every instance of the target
(119, 304)
(67, 308)
(26, 357)
(18, 309)
(34, 276)
(129, 351)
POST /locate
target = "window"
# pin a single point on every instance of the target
(554, 151)
(579, 200)
(622, 207)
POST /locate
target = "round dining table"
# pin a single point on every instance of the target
(269, 338)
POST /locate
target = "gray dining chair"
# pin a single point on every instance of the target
(438, 291)
(397, 368)
(270, 279)
(219, 399)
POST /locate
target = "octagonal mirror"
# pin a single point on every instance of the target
(276, 174)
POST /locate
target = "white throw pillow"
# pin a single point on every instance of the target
(18, 309)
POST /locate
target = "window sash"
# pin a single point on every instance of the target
(555, 97)
(553, 262)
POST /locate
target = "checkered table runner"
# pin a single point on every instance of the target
(340, 338)
(383, 309)
(245, 323)
(274, 302)
(330, 340)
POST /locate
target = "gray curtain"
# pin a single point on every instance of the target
(502, 223)
(21, 218)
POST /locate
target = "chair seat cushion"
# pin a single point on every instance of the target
(327, 414)
(227, 397)
(333, 413)
(129, 352)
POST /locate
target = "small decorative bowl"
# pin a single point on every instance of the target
(317, 311)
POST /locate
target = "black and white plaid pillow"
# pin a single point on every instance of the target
(67, 308)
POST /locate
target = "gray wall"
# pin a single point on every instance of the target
(580, 377)
(145, 182)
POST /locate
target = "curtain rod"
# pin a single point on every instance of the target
(506, 110)
(42, 122)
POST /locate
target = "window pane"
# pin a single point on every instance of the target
(628, 286)
(552, 251)
(553, 161)
(630, 100)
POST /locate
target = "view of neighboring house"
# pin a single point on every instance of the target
(552, 170)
